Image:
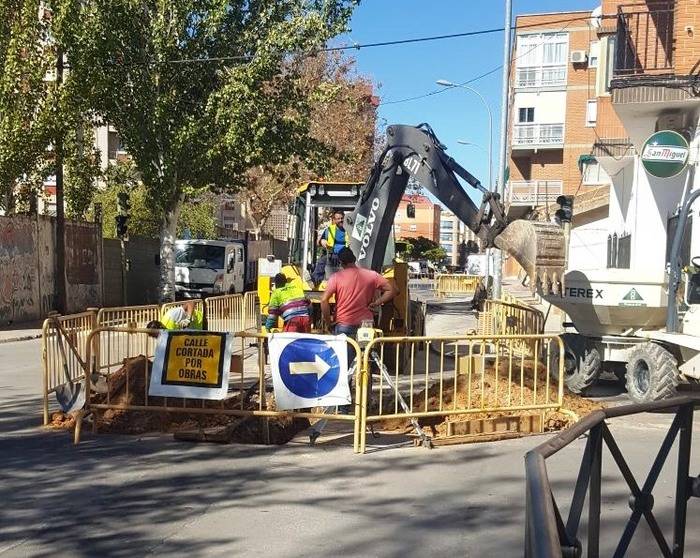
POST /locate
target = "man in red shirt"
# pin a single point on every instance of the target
(355, 289)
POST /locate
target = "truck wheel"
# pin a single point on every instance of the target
(582, 363)
(652, 373)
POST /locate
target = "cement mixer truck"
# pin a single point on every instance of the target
(639, 315)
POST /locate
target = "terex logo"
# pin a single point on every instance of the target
(369, 227)
(575, 292)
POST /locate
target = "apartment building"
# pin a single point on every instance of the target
(454, 236)
(424, 221)
(557, 102)
(630, 70)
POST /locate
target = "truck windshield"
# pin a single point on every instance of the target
(200, 255)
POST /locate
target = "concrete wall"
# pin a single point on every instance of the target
(27, 263)
(143, 276)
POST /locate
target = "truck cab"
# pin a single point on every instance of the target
(209, 267)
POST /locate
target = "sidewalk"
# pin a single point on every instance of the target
(20, 332)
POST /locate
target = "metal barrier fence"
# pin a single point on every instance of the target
(225, 313)
(506, 318)
(547, 534)
(198, 305)
(128, 316)
(247, 396)
(465, 375)
(251, 311)
(455, 284)
(63, 347)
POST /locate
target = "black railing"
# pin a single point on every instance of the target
(619, 251)
(546, 533)
(644, 41)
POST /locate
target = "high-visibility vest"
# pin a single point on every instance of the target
(331, 237)
(196, 321)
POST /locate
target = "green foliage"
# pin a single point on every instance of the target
(191, 123)
(197, 215)
(27, 108)
(435, 255)
(420, 245)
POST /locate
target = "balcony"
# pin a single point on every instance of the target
(534, 193)
(644, 42)
(540, 76)
(535, 136)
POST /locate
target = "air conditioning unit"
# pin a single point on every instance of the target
(579, 56)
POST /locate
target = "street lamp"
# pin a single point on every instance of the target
(446, 83)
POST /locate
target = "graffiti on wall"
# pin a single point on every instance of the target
(19, 289)
(81, 255)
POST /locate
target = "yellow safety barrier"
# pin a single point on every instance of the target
(128, 316)
(248, 382)
(77, 328)
(462, 376)
(455, 284)
(251, 311)
(507, 318)
(224, 313)
(198, 305)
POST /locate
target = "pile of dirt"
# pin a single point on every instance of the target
(490, 391)
(129, 386)
(62, 421)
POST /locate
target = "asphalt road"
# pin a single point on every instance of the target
(132, 496)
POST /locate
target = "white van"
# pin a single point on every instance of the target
(209, 267)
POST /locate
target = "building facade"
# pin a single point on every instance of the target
(454, 236)
(425, 222)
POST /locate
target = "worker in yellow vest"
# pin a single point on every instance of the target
(333, 239)
(187, 316)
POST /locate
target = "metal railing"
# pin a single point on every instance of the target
(645, 41)
(538, 134)
(455, 284)
(540, 76)
(548, 535)
(534, 192)
(439, 377)
(128, 316)
(251, 311)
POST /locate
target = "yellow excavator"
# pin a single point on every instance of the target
(412, 152)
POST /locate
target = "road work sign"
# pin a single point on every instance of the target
(665, 154)
(309, 370)
(193, 364)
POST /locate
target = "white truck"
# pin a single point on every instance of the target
(212, 267)
(638, 315)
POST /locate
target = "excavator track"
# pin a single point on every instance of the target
(540, 248)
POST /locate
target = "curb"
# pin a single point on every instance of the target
(21, 338)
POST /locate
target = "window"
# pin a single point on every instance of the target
(446, 225)
(239, 254)
(446, 236)
(413, 228)
(591, 112)
(526, 114)
(446, 247)
(593, 54)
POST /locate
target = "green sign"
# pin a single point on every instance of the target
(633, 298)
(665, 154)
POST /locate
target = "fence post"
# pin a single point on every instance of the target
(682, 479)
(594, 491)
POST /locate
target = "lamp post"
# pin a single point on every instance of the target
(446, 83)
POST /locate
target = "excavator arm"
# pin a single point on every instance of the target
(415, 153)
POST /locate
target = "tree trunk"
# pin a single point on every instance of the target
(168, 233)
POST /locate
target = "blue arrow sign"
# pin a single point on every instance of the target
(309, 368)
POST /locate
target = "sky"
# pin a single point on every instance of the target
(411, 70)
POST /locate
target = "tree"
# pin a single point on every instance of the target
(343, 121)
(435, 255)
(198, 89)
(26, 100)
(420, 245)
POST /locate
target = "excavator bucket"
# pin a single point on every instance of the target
(540, 248)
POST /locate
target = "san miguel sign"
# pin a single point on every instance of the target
(665, 154)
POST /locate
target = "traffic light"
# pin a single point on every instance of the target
(122, 218)
(122, 229)
(566, 209)
(411, 211)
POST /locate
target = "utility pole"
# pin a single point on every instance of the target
(60, 270)
(503, 159)
(121, 221)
